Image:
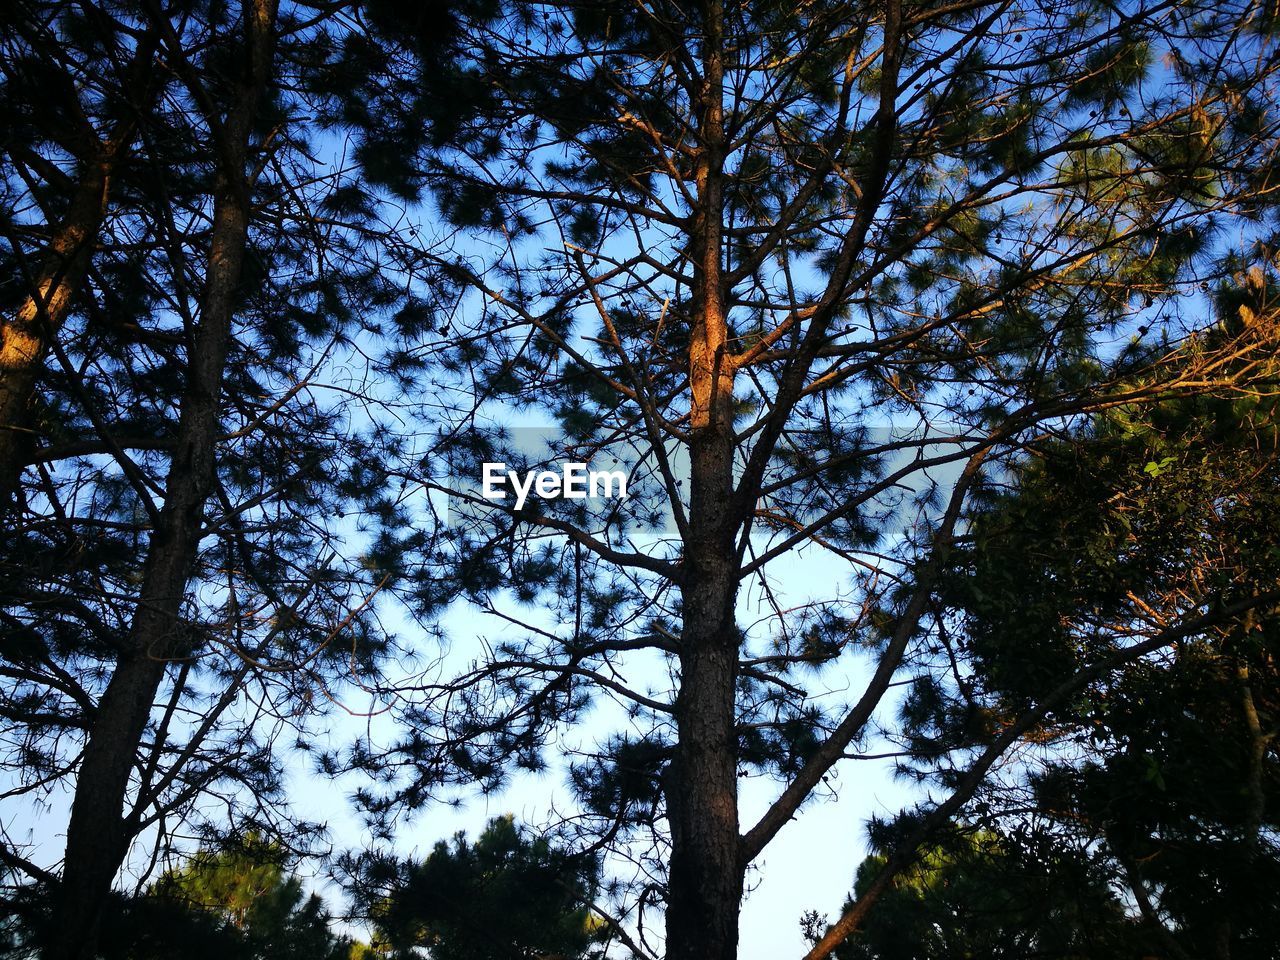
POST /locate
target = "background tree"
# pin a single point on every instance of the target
(814, 275)
(174, 600)
(263, 909)
(508, 895)
(238, 901)
(975, 894)
(1159, 774)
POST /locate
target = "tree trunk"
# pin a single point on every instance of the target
(25, 338)
(98, 834)
(704, 887)
(704, 883)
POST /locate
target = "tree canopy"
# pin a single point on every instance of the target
(921, 294)
(818, 276)
(978, 894)
(170, 572)
(1158, 773)
(237, 901)
(507, 895)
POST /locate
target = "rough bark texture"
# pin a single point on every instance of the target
(705, 876)
(99, 833)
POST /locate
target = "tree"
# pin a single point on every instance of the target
(1160, 772)
(975, 894)
(171, 586)
(506, 896)
(815, 275)
(70, 100)
(237, 901)
(264, 910)
(95, 846)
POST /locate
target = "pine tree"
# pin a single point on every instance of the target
(72, 102)
(508, 894)
(177, 605)
(816, 277)
(1161, 774)
(812, 275)
(246, 888)
(976, 893)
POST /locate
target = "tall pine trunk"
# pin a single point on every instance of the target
(704, 887)
(705, 875)
(99, 831)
